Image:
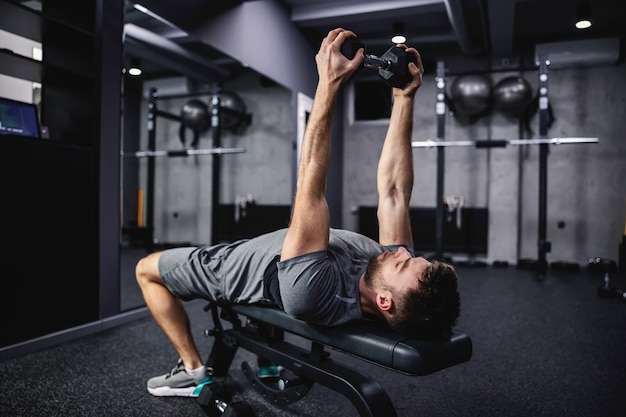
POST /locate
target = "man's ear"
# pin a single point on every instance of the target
(384, 301)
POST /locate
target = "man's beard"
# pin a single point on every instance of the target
(373, 272)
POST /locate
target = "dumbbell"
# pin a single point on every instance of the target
(392, 66)
(608, 266)
(214, 400)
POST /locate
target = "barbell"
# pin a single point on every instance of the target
(184, 152)
(500, 143)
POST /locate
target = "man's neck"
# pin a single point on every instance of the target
(367, 298)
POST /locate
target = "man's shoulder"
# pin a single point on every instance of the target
(354, 241)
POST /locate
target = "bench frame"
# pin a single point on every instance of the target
(265, 338)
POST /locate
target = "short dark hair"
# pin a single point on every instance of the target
(432, 308)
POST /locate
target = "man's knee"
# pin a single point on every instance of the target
(147, 269)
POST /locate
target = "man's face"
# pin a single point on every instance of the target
(398, 270)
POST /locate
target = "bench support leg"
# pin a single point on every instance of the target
(368, 396)
(221, 357)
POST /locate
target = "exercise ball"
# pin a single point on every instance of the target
(233, 110)
(471, 94)
(512, 95)
(195, 115)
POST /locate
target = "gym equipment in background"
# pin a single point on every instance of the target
(234, 113)
(194, 114)
(543, 245)
(608, 267)
(499, 143)
(184, 152)
(471, 94)
(512, 96)
(392, 66)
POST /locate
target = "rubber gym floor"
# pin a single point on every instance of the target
(548, 347)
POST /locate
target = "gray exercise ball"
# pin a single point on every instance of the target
(233, 110)
(512, 96)
(195, 115)
(471, 94)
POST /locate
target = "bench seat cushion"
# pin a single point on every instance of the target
(371, 341)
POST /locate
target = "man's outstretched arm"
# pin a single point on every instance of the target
(395, 167)
(309, 227)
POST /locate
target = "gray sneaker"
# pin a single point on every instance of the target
(178, 383)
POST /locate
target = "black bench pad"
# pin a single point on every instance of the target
(374, 342)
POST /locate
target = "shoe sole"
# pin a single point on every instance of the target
(177, 392)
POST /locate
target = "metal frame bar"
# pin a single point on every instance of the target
(500, 143)
(152, 118)
(543, 245)
(216, 135)
(440, 110)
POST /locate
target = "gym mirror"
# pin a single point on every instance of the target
(175, 189)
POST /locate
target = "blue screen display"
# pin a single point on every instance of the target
(17, 118)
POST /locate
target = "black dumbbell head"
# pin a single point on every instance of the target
(211, 396)
(219, 392)
(398, 74)
(238, 409)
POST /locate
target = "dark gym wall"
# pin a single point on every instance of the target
(62, 191)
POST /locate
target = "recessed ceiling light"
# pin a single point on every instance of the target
(583, 20)
(398, 33)
(398, 39)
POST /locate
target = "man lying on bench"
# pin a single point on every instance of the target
(322, 276)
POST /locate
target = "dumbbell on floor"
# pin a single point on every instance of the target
(392, 66)
(608, 266)
(215, 401)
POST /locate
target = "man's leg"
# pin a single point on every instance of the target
(169, 313)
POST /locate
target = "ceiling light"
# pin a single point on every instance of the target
(134, 68)
(583, 20)
(398, 33)
(398, 39)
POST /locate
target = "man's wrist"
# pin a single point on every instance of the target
(326, 93)
(329, 88)
(405, 95)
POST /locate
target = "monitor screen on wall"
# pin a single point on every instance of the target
(17, 118)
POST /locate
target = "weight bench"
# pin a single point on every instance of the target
(262, 333)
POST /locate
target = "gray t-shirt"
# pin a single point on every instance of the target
(320, 287)
(323, 287)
